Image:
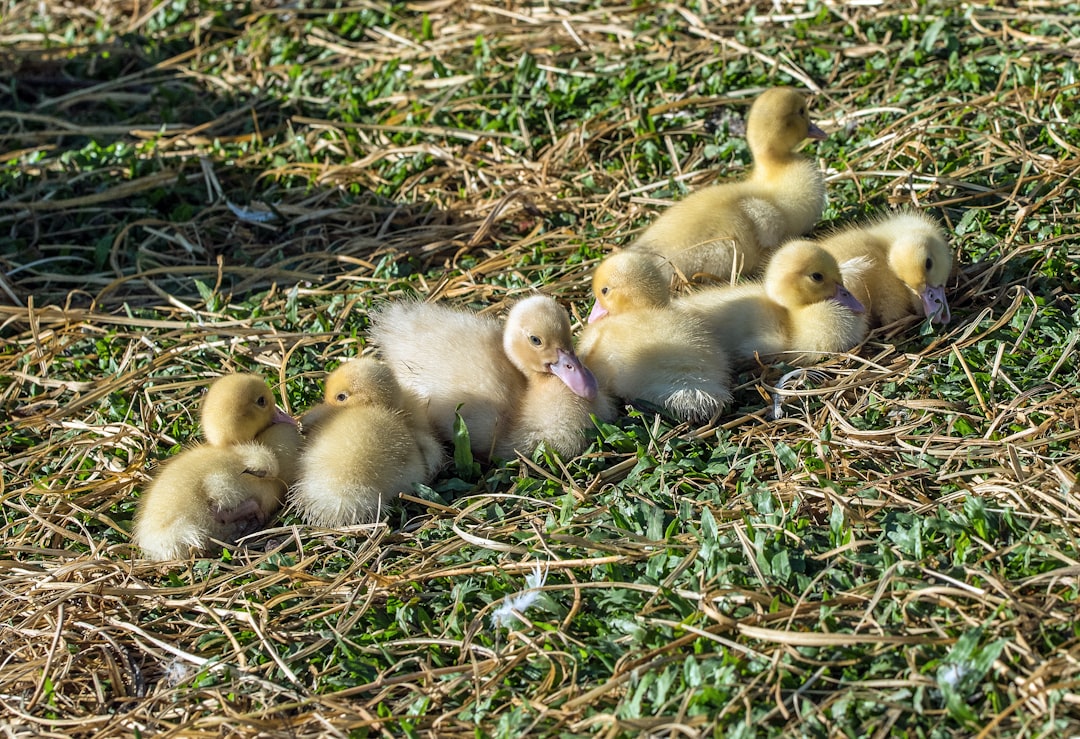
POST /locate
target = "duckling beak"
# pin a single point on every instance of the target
(846, 299)
(574, 374)
(813, 132)
(598, 311)
(935, 305)
(281, 416)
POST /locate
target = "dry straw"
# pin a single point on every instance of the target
(94, 641)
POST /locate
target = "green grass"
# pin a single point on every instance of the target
(894, 557)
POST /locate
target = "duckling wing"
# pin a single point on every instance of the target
(663, 357)
(708, 233)
(741, 319)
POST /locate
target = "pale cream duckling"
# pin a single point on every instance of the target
(800, 306)
(730, 229)
(561, 394)
(369, 444)
(498, 377)
(896, 266)
(641, 349)
(228, 487)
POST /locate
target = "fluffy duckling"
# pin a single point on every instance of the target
(896, 266)
(370, 443)
(228, 487)
(561, 394)
(513, 384)
(801, 305)
(640, 348)
(729, 229)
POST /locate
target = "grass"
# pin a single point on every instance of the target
(194, 188)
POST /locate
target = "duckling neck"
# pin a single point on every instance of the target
(796, 186)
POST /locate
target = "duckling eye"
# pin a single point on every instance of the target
(261, 401)
(817, 277)
(604, 290)
(536, 341)
(342, 397)
(802, 111)
(929, 264)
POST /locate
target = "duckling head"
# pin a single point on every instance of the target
(779, 120)
(626, 281)
(363, 381)
(919, 256)
(537, 340)
(237, 408)
(801, 273)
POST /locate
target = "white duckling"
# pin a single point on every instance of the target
(513, 384)
(785, 311)
(640, 348)
(896, 266)
(369, 444)
(228, 487)
(729, 229)
(561, 394)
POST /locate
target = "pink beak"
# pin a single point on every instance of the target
(846, 299)
(281, 416)
(598, 311)
(935, 305)
(577, 376)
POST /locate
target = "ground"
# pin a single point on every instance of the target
(189, 189)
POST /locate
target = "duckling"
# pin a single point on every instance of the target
(370, 443)
(561, 394)
(896, 266)
(640, 348)
(784, 312)
(729, 229)
(228, 487)
(498, 377)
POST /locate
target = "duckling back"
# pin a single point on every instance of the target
(729, 229)
(742, 319)
(717, 233)
(661, 356)
(359, 459)
(451, 358)
(205, 495)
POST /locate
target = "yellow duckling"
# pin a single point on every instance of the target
(640, 348)
(368, 445)
(729, 229)
(800, 306)
(896, 266)
(561, 394)
(513, 384)
(228, 487)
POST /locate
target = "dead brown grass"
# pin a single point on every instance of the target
(103, 367)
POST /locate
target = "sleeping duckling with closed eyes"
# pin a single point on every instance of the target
(898, 266)
(514, 383)
(640, 348)
(230, 486)
(369, 444)
(730, 229)
(801, 305)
